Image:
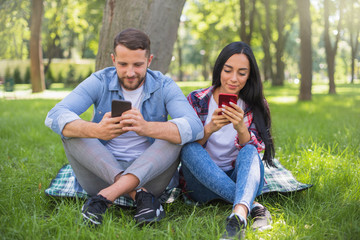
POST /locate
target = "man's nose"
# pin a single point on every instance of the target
(130, 71)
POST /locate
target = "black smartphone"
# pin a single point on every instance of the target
(119, 106)
(225, 99)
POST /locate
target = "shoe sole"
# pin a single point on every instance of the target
(151, 220)
(87, 219)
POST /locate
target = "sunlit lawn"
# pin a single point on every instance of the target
(319, 141)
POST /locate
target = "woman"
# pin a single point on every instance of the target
(225, 164)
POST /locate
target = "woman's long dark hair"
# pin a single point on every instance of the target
(252, 94)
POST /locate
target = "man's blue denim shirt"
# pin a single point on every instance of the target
(161, 96)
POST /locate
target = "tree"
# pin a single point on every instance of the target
(210, 30)
(329, 48)
(275, 25)
(69, 26)
(285, 12)
(14, 30)
(179, 55)
(37, 68)
(353, 22)
(158, 18)
(266, 42)
(247, 22)
(305, 49)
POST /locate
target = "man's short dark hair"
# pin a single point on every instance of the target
(133, 39)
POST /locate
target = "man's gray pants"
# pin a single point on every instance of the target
(95, 167)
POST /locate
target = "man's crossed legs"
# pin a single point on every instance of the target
(105, 179)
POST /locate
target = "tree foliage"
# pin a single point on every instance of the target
(212, 25)
(67, 25)
(15, 29)
(71, 29)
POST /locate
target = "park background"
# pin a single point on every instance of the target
(309, 60)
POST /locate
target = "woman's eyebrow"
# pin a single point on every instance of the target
(229, 66)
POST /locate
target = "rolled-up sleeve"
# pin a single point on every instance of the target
(182, 114)
(73, 105)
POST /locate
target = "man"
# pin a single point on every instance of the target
(135, 154)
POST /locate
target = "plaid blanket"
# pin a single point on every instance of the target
(277, 180)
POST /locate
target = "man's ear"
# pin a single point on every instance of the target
(150, 59)
(113, 58)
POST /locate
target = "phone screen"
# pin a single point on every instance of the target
(119, 106)
(225, 99)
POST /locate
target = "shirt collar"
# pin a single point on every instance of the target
(150, 84)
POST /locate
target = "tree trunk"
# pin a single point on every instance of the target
(37, 68)
(280, 44)
(52, 48)
(305, 49)
(354, 24)
(180, 61)
(158, 18)
(265, 33)
(329, 49)
(245, 23)
(205, 72)
(354, 50)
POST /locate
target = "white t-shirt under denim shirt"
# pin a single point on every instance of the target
(220, 144)
(129, 146)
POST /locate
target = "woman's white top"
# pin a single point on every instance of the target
(220, 145)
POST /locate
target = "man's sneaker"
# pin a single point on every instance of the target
(94, 208)
(148, 208)
(261, 218)
(235, 228)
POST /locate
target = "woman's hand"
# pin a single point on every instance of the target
(218, 120)
(235, 115)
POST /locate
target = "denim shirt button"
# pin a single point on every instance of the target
(99, 112)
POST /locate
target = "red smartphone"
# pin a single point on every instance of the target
(119, 106)
(225, 99)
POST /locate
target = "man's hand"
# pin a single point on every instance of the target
(109, 128)
(133, 120)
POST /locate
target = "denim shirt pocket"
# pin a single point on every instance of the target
(154, 111)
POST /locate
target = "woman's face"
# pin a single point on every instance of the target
(234, 74)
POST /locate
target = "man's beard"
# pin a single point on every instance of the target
(134, 85)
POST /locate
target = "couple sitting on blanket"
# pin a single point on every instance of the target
(136, 154)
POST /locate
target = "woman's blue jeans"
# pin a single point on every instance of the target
(205, 181)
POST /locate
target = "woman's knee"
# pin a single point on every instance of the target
(249, 150)
(247, 154)
(189, 149)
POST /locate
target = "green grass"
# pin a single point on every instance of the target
(319, 141)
